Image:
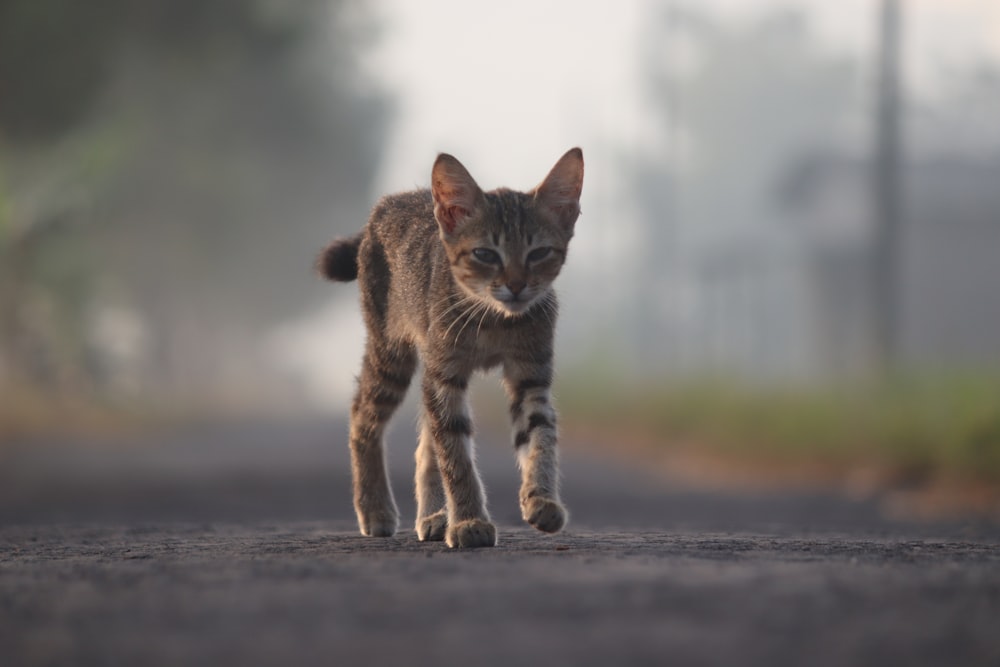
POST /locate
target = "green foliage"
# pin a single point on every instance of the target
(54, 56)
(178, 160)
(917, 427)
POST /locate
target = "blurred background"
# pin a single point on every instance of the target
(789, 252)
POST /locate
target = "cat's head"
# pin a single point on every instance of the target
(507, 247)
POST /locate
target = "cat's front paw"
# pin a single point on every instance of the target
(432, 528)
(378, 524)
(545, 514)
(471, 533)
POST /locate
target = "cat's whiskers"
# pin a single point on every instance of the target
(461, 303)
(467, 316)
(481, 320)
(480, 306)
(464, 315)
(548, 308)
(465, 306)
(466, 298)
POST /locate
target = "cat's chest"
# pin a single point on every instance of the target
(489, 352)
(482, 348)
(487, 348)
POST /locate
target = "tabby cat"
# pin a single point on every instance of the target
(462, 279)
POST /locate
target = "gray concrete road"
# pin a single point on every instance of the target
(236, 545)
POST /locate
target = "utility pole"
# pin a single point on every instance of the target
(656, 336)
(887, 192)
(671, 212)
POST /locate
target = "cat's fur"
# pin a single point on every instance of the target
(460, 278)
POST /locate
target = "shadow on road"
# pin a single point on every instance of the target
(299, 471)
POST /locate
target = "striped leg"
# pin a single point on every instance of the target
(450, 429)
(385, 375)
(432, 513)
(535, 440)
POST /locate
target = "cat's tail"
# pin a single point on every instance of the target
(339, 260)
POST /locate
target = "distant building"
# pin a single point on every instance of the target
(949, 273)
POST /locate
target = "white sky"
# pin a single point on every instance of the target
(508, 87)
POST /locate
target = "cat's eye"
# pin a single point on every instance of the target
(486, 255)
(538, 254)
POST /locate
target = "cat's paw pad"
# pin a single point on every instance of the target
(432, 528)
(471, 533)
(378, 524)
(544, 514)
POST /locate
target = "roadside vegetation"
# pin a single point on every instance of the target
(914, 430)
(27, 414)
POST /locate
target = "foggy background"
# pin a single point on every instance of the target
(782, 193)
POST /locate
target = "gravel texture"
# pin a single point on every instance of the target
(223, 545)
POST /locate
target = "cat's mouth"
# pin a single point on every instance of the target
(512, 305)
(515, 305)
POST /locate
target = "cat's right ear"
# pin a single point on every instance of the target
(456, 195)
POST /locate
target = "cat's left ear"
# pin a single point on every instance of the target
(560, 192)
(456, 195)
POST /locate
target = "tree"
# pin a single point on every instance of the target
(733, 105)
(197, 153)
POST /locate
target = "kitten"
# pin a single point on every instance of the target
(463, 279)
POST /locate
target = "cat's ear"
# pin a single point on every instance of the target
(456, 195)
(560, 192)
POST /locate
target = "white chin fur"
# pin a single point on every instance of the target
(514, 308)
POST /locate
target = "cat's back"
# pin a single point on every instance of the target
(400, 255)
(402, 215)
(403, 231)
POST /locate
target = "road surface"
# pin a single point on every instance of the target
(223, 545)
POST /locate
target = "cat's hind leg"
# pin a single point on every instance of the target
(386, 371)
(432, 512)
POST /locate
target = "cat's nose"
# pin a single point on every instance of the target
(516, 286)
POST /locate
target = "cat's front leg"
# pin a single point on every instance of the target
(535, 440)
(447, 419)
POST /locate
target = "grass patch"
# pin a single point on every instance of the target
(29, 414)
(917, 427)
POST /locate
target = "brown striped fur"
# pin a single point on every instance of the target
(462, 280)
